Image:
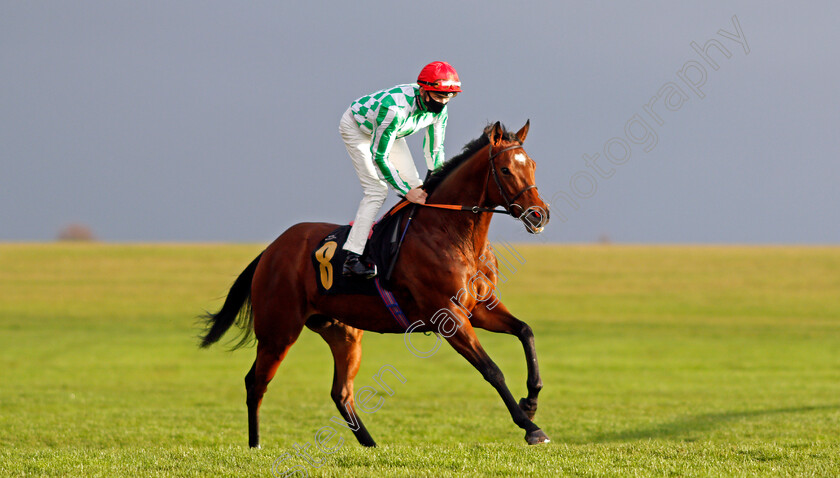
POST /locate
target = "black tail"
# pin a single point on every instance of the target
(237, 304)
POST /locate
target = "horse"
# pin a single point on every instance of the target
(277, 295)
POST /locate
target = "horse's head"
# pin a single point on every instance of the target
(513, 184)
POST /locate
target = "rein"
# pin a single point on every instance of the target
(477, 209)
(455, 207)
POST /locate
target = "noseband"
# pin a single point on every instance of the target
(509, 202)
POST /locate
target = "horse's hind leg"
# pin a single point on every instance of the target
(346, 345)
(265, 366)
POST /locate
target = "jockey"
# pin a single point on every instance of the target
(373, 130)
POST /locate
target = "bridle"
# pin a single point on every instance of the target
(509, 202)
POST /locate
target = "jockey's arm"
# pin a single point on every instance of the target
(380, 147)
(433, 142)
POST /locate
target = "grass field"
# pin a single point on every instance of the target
(656, 361)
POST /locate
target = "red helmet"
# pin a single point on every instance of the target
(439, 76)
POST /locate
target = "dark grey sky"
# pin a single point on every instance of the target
(217, 121)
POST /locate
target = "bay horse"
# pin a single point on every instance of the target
(277, 294)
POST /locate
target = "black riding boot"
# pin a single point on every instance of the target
(355, 266)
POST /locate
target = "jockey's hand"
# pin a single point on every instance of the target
(417, 195)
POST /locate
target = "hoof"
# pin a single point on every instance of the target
(536, 437)
(529, 407)
(255, 446)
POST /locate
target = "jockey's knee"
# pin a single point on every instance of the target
(376, 194)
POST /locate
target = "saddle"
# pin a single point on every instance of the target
(382, 249)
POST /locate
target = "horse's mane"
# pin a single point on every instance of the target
(438, 175)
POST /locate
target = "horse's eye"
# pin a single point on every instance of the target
(505, 171)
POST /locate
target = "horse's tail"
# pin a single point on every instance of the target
(237, 305)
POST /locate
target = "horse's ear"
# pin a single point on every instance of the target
(495, 132)
(522, 133)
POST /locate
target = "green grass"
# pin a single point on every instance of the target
(656, 361)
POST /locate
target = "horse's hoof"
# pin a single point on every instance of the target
(528, 407)
(536, 437)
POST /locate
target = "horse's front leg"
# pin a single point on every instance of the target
(499, 320)
(466, 343)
